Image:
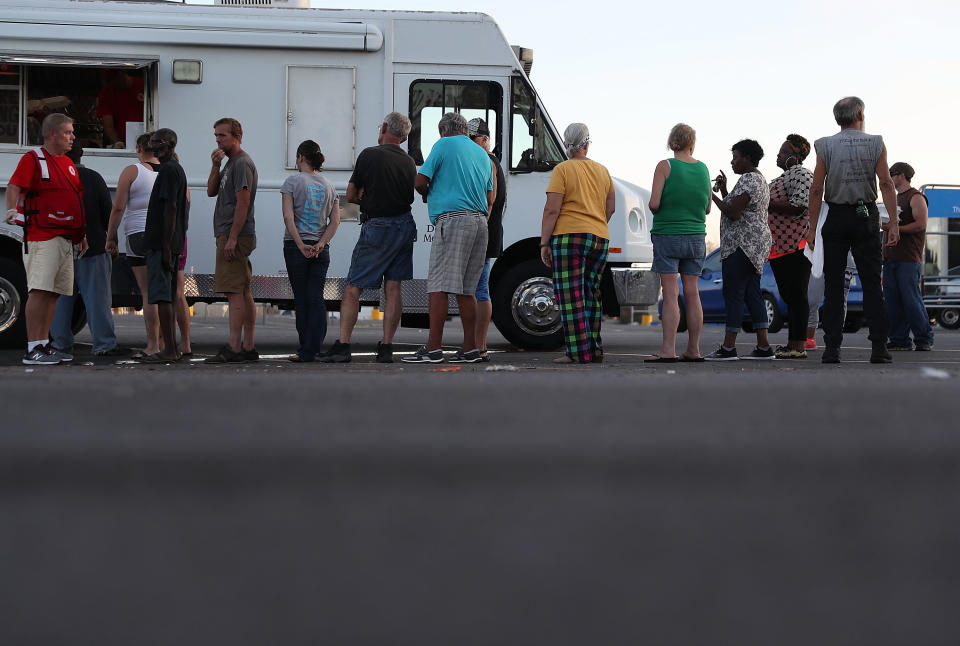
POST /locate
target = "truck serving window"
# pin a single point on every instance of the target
(108, 100)
(533, 145)
(430, 100)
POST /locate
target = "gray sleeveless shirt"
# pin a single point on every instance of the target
(851, 159)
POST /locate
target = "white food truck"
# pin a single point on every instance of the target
(290, 74)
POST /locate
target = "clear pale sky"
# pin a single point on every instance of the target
(758, 70)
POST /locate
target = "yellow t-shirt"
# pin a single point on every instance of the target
(584, 185)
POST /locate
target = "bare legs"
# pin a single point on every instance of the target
(150, 320)
(349, 310)
(670, 317)
(438, 316)
(167, 320)
(484, 314)
(243, 318)
(183, 316)
(41, 306)
(393, 309)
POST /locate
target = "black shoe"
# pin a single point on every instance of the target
(923, 347)
(880, 353)
(897, 346)
(384, 352)
(338, 353)
(115, 351)
(830, 355)
(250, 355)
(722, 354)
(226, 355)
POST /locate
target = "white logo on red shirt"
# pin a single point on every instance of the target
(72, 170)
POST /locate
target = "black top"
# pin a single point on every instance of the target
(97, 204)
(495, 223)
(170, 186)
(386, 174)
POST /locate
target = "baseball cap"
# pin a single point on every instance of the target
(477, 127)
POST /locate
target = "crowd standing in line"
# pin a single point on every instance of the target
(71, 230)
(574, 241)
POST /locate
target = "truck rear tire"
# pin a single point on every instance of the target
(525, 310)
(949, 318)
(13, 303)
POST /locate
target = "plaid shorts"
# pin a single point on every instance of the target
(457, 253)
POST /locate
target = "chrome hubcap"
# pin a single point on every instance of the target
(535, 309)
(9, 304)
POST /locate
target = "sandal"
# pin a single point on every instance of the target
(138, 355)
(686, 359)
(658, 359)
(154, 358)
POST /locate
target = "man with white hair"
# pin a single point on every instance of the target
(456, 181)
(849, 164)
(52, 204)
(382, 184)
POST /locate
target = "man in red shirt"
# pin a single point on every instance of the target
(46, 188)
(120, 101)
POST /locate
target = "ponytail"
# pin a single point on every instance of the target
(310, 151)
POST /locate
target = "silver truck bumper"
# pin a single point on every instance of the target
(636, 286)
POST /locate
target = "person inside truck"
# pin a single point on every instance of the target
(119, 102)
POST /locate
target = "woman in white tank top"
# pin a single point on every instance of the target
(130, 205)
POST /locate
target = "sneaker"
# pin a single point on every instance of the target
(923, 347)
(384, 352)
(810, 344)
(785, 352)
(898, 347)
(880, 353)
(471, 356)
(338, 353)
(722, 354)
(115, 351)
(422, 355)
(39, 356)
(64, 357)
(760, 355)
(830, 355)
(250, 355)
(226, 355)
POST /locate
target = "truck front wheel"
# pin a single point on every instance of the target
(949, 318)
(525, 309)
(13, 303)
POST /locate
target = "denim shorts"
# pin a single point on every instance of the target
(384, 251)
(161, 283)
(681, 254)
(483, 287)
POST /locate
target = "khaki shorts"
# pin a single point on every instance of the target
(233, 276)
(49, 265)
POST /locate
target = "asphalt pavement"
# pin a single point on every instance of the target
(516, 502)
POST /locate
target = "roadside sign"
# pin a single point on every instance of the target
(944, 201)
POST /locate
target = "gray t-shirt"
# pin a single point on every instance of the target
(238, 173)
(313, 200)
(851, 158)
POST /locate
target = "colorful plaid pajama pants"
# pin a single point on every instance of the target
(578, 262)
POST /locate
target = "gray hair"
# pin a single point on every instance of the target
(398, 125)
(575, 137)
(453, 124)
(53, 123)
(848, 111)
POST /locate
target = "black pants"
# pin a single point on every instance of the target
(793, 275)
(846, 231)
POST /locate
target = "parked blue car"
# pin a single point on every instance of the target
(710, 285)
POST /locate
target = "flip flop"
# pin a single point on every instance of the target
(658, 359)
(154, 358)
(685, 359)
(138, 355)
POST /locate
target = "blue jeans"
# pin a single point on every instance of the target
(92, 283)
(901, 291)
(307, 278)
(741, 283)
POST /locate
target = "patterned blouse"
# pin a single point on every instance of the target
(787, 231)
(751, 232)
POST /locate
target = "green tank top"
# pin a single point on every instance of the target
(683, 205)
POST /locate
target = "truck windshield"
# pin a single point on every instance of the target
(533, 145)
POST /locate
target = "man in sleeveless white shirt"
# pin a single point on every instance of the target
(849, 164)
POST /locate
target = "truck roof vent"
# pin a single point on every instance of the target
(293, 4)
(525, 56)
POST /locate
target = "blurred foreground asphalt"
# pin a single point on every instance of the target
(619, 503)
